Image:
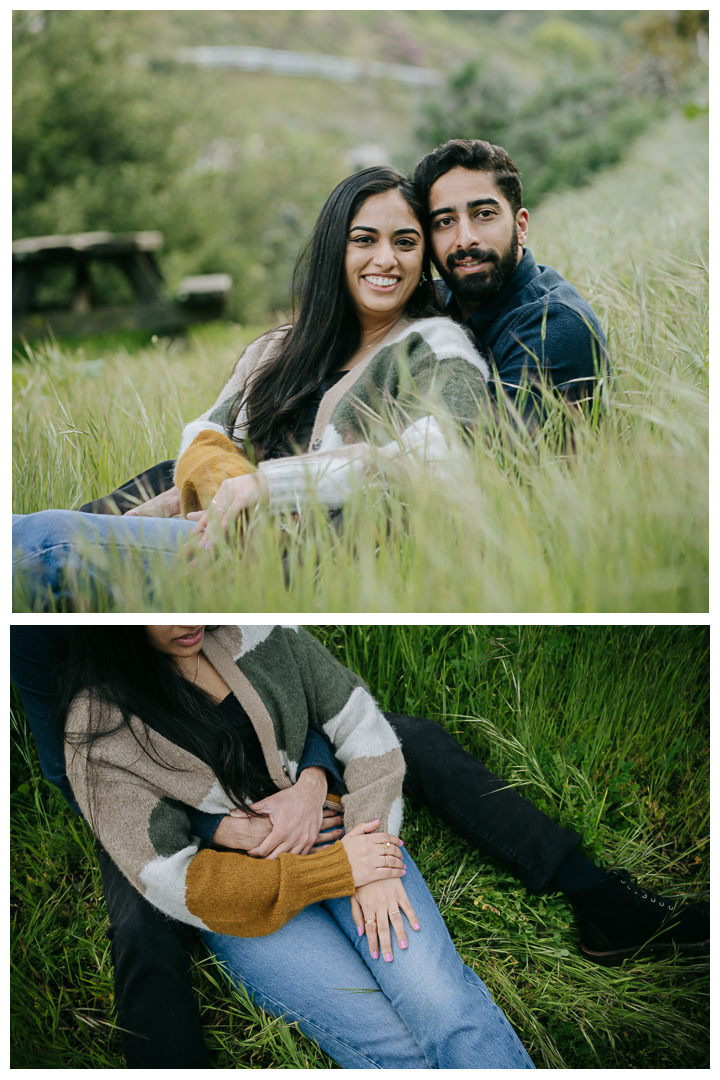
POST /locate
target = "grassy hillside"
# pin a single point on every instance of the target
(619, 526)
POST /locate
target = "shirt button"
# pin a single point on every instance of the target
(317, 444)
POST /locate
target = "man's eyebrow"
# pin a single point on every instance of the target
(489, 201)
(398, 232)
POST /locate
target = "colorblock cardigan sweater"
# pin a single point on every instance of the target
(418, 360)
(138, 809)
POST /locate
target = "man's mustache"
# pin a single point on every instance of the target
(472, 253)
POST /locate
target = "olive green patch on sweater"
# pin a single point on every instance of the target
(168, 827)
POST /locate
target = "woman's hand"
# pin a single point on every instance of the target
(235, 495)
(378, 906)
(373, 857)
(165, 505)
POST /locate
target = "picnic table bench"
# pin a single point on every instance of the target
(99, 282)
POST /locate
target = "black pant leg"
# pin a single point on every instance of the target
(479, 806)
(146, 485)
(154, 998)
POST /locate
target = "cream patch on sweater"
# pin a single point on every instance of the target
(160, 878)
(355, 730)
(216, 801)
(395, 817)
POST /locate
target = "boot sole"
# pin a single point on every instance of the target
(616, 956)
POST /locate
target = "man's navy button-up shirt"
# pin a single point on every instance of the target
(537, 327)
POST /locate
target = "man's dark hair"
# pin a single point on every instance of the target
(326, 331)
(475, 154)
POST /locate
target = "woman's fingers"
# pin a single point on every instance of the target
(358, 917)
(408, 909)
(398, 925)
(372, 937)
(383, 925)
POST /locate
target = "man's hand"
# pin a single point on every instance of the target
(165, 505)
(239, 830)
(296, 814)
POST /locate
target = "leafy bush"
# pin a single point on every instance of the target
(576, 123)
(103, 141)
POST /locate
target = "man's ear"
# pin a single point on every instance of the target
(521, 219)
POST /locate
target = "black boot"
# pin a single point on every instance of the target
(618, 919)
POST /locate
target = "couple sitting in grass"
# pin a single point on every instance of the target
(245, 788)
(379, 371)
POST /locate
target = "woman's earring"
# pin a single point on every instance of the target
(423, 279)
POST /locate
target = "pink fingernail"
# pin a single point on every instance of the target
(403, 944)
(375, 955)
(404, 873)
(359, 931)
(401, 843)
(388, 957)
(417, 925)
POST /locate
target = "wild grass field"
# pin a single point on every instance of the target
(605, 728)
(619, 524)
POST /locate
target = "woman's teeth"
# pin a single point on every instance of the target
(382, 282)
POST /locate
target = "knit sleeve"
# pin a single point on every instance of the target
(340, 704)
(147, 834)
(211, 458)
(259, 352)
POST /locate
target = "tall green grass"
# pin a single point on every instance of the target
(620, 524)
(605, 728)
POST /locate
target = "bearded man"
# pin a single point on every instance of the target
(533, 326)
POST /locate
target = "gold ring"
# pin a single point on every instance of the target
(217, 506)
(391, 913)
(386, 845)
(368, 921)
(386, 862)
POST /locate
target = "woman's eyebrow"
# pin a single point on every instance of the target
(368, 228)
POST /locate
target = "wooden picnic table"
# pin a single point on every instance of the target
(57, 285)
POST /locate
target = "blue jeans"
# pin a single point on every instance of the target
(53, 548)
(425, 1009)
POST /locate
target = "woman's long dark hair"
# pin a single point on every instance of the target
(118, 666)
(326, 331)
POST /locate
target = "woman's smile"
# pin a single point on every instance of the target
(381, 284)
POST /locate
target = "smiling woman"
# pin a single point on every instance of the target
(364, 376)
(306, 399)
(164, 725)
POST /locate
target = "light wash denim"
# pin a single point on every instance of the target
(425, 1009)
(54, 547)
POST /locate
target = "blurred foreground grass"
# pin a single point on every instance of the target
(621, 525)
(606, 729)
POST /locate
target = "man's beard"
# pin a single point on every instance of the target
(477, 287)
